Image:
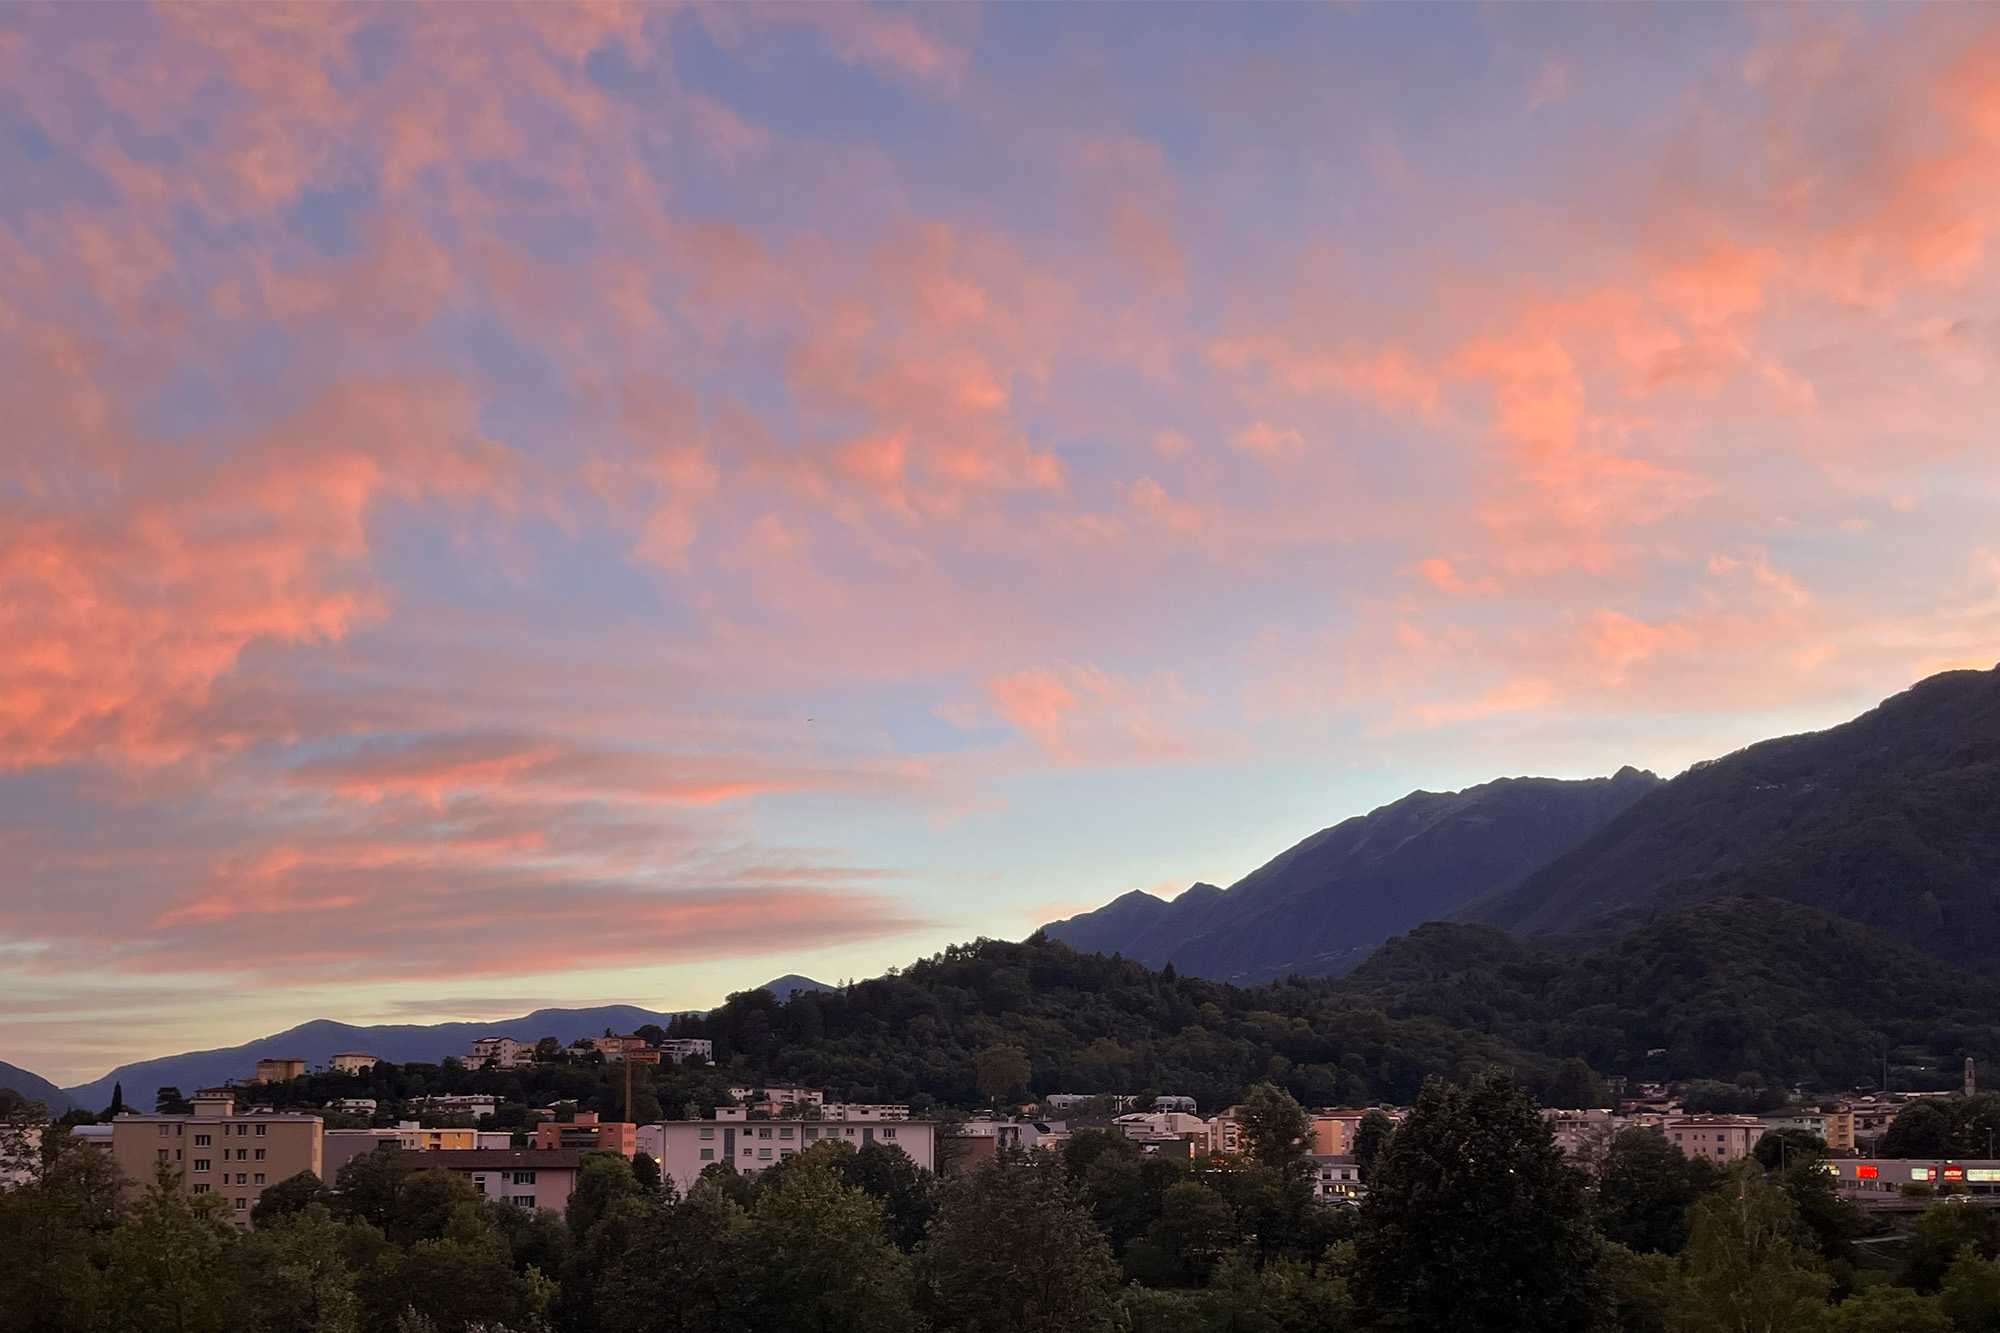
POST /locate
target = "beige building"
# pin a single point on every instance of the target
(280, 1071)
(1583, 1135)
(1333, 1130)
(1715, 1138)
(216, 1151)
(351, 1062)
(503, 1052)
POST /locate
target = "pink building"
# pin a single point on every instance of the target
(1715, 1138)
(525, 1177)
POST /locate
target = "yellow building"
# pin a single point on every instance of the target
(280, 1071)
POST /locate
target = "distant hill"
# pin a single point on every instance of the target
(316, 1041)
(34, 1087)
(1319, 907)
(1891, 820)
(791, 984)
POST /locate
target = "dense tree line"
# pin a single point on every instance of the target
(1473, 1221)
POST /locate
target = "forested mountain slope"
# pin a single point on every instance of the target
(1317, 908)
(1891, 820)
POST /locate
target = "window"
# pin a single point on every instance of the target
(163, 1154)
(749, 1153)
(242, 1154)
(261, 1129)
(258, 1179)
(708, 1154)
(708, 1133)
(763, 1133)
(785, 1133)
(888, 1133)
(201, 1189)
(241, 1204)
(811, 1133)
(201, 1140)
(201, 1164)
(242, 1178)
(523, 1200)
(763, 1154)
(260, 1154)
(788, 1152)
(166, 1130)
(524, 1177)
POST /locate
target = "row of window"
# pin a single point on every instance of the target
(808, 1131)
(173, 1129)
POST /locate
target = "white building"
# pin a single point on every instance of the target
(476, 1105)
(351, 1062)
(1336, 1178)
(1073, 1101)
(353, 1105)
(1163, 1125)
(678, 1049)
(685, 1148)
(1018, 1133)
(779, 1095)
(504, 1052)
(864, 1111)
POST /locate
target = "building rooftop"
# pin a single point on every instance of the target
(495, 1159)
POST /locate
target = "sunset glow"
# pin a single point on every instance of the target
(504, 506)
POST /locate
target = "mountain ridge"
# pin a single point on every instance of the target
(315, 1040)
(34, 1087)
(1319, 906)
(1890, 819)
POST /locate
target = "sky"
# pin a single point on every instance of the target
(519, 506)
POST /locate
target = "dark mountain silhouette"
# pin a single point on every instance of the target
(791, 984)
(1892, 820)
(34, 1087)
(1318, 908)
(401, 1043)
(322, 1038)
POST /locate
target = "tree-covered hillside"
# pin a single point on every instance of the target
(1726, 988)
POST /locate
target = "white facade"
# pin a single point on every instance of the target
(504, 1052)
(1336, 1178)
(1721, 1139)
(1018, 1133)
(353, 1105)
(780, 1094)
(351, 1062)
(685, 1148)
(1070, 1101)
(1162, 1125)
(864, 1111)
(476, 1105)
(678, 1049)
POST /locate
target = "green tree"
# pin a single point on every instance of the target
(1011, 1248)
(1371, 1136)
(170, 1271)
(688, 1271)
(117, 1107)
(293, 1194)
(426, 1202)
(826, 1263)
(1276, 1129)
(604, 1178)
(1782, 1147)
(1645, 1191)
(1942, 1233)
(1473, 1221)
(1971, 1294)
(1921, 1129)
(1194, 1229)
(296, 1271)
(1642, 1291)
(1885, 1310)
(905, 1190)
(1000, 1069)
(168, 1101)
(1576, 1087)
(1746, 1265)
(55, 1234)
(368, 1184)
(646, 1172)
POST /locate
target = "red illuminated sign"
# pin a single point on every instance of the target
(1954, 1173)
(1867, 1172)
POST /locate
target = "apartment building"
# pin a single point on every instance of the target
(280, 1070)
(353, 1105)
(1336, 1178)
(1721, 1139)
(524, 1177)
(1583, 1135)
(501, 1052)
(685, 1148)
(478, 1105)
(1225, 1134)
(864, 1111)
(217, 1151)
(1017, 1133)
(1333, 1130)
(678, 1049)
(352, 1062)
(778, 1096)
(586, 1133)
